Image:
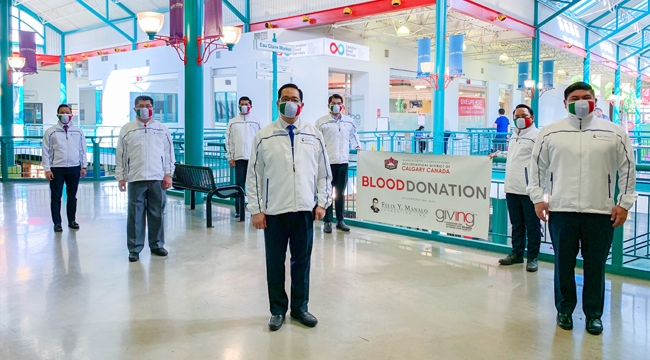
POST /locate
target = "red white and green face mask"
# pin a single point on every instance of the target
(290, 109)
(245, 109)
(144, 113)
(582, 108)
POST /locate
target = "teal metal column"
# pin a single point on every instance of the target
(247, 14)
(63, 73)
(193, 86)
(586, 67)
(639, 84)
(439, 93)
(6, 88)
(534, 101)
(617, 87)
(274, 107)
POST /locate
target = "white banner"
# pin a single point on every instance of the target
(450, 194)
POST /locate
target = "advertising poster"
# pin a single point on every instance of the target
(450, 194)
(468, 106)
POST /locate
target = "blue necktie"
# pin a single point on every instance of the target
(291, 134)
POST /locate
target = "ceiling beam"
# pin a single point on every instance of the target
(39, 18)
(105, 20)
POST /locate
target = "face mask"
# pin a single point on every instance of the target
(581, 108)
(523, 123)
(65, 118)
(245, 109)
(144, 113)
(290, 109)
(336, 109)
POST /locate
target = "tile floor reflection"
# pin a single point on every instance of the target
(377, 296)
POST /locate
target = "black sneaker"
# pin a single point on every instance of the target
(512, 259)
(58, 228)
(327, 228)
(133, 257)
(73, 225)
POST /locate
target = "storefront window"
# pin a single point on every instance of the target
(165, 106)
(471, 107)
(224, 87)
(410, 100)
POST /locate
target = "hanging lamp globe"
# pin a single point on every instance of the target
(151, 22)
(16, 62)
(231, 36)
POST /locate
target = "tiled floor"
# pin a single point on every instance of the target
(377, 296)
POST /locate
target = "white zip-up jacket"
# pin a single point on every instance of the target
(519, 153)
(240, 133)
(281, 181)
(581, 160)
(144, 152)
(61, 149)
(340, 135)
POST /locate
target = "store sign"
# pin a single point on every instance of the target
(329, 47)
(449, 194)
(468, 106)
(273, 47)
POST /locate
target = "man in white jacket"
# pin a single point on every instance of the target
(289, 187)
(145, 160)
(64, 161)
(525, 224)
(577, 159)
(239, 139)
(340, 134)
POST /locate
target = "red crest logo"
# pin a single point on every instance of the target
(390, 164)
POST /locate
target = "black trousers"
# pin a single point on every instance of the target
(593, 235)
(70, 177)
(240, 178)
(422, 145)
(339, 182)
(447, 136)
(525, 224)
(297, 230)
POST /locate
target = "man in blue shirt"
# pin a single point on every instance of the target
(502, 124)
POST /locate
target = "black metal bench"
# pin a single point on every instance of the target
(201, 179)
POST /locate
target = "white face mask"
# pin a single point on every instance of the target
(290, 109)
(523, 123)
(336, 109)
(144, 113)
(581, 108)
(65, 118)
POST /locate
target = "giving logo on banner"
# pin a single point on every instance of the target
(450, 194)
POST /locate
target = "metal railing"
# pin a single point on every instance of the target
(632, 251)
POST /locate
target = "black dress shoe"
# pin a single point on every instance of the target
(565, 321)
(305, 318)
(512, 259)
(275, 322)
(341, 226)
(159, 252)
(327, 228)
(531, 265)
(73, 225)
(237, 214)
(133, 257)
(58, 228)
(594, 326)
